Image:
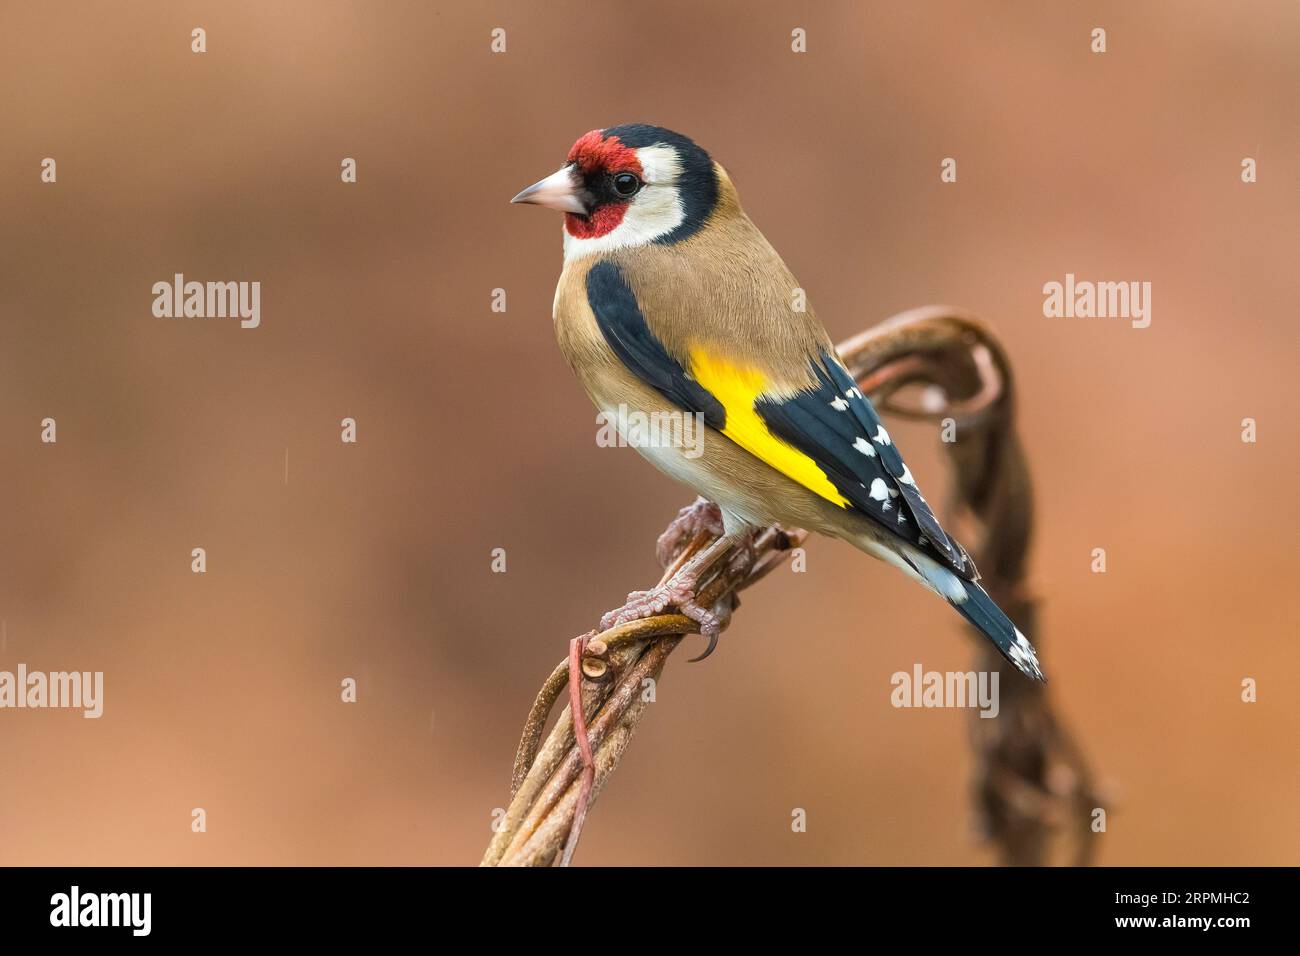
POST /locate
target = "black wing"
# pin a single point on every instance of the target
(835, 425)
(625, 329)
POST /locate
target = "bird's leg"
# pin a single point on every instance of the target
(715, 620)
(701, 515)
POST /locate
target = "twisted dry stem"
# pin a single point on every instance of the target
(1033, 788)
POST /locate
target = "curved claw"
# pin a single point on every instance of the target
(713, 644)
(712, 622)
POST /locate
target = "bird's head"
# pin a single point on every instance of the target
(628, 186)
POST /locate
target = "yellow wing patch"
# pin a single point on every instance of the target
(737, 388)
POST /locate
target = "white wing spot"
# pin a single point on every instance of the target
(839, 404)
(853, 393)
(906, 477)
(864, 446)
(1022, 652)
(879, 490)
(882, 436)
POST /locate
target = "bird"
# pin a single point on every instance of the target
(672, 302)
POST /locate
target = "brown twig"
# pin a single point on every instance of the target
(1032, 782)
(548, 784)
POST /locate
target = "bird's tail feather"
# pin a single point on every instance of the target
(970, 600)
(979, 609)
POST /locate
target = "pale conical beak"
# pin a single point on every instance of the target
(560, 190)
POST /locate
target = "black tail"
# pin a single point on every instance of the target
(979, 609)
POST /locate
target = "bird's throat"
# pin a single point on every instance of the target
(601, 222)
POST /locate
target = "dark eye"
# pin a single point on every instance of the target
(625, 184)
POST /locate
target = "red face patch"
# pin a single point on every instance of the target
(603, 219)
(596, 154)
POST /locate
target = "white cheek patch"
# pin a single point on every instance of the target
(656, 211)
(660, 165)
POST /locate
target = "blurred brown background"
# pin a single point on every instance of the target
(222, 690)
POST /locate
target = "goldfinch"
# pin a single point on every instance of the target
(672, 302)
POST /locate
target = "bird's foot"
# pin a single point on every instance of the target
(701, 515)
(713, 621)
(681, 592)
(677, 593)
